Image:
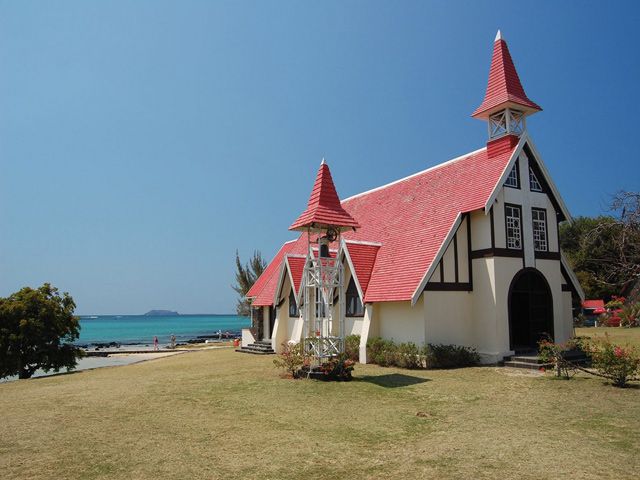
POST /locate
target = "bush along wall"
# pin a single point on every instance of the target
(387, 353)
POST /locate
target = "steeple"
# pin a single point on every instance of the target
(324, 209)
(505, 103)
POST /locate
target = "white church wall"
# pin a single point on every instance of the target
(400, 322)
(480, 230)
(448, 318)
(562, 320)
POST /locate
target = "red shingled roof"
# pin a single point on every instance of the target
(504, 84)
(296, 267)
(411, 219)
(264, 289)
(323, 208)
(363, 257)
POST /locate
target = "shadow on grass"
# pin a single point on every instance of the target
(392, 380)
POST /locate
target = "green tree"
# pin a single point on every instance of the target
(605, 251)
(37, 327)
(246, 276)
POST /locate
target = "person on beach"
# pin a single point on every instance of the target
(155, 343)
(173, 341)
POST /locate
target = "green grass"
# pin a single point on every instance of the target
(622, 336)
(219, 414)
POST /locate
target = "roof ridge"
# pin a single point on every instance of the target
(364, 242)
(435, 167)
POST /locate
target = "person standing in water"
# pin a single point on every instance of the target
(173, 341)
(155, 343)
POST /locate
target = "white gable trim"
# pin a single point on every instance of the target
(283, 268)
(436, 259)
(552, 185)
(345, 251)
(505, 173)
(525, 139)
(572, 276)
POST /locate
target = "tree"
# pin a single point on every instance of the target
(605, 251)
(37, 327)
(246, 276)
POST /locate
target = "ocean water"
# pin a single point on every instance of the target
(140, 329)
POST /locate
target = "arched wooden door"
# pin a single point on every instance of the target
(530, 310)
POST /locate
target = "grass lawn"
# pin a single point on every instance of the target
(622, 336)
(220, 414)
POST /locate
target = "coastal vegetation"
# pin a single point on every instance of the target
(37, 328)
(604, 251)
(218, 414)
(246, 276)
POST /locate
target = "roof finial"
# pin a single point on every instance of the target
(322, 162)
(498, 36)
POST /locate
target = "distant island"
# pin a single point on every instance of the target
(156, 313)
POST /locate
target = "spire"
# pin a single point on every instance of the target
(504, 88)
(324, 209)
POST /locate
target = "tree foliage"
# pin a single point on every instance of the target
(605, 251)
(37, 327)
(246, 276)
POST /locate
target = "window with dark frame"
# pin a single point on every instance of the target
(540, 243)
(293, 305)
(534, 184)
(354, 303)
(513, 180)
(513, 221)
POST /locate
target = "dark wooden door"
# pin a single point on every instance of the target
(272, 320)
(530, 310)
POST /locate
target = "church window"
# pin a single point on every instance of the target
(293, 305)
(513, 216)
(513, 180)
(354, 303)
(540, 243)
(534, 184)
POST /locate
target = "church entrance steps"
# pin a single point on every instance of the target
(261, 347)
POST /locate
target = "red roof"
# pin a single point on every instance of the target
(296, 267)
(411, 219)
(596, 305)
(264, 289)
(323, 208)
(504, 85)
(363, 257)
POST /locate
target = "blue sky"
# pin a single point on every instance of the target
(142, 142)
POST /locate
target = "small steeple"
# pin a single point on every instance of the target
(324, 209)
(505, 103)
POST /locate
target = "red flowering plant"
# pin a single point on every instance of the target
(339, 368)
(290, 359)
(619, 364)
(555, 353)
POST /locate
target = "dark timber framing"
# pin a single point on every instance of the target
(493, 229)
(455, 286)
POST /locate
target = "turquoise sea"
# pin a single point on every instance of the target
(140, 329)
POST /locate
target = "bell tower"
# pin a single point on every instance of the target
(323, 222)
(505, 105)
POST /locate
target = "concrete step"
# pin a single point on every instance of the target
(254, 352)
(527, 365)
(257, 348)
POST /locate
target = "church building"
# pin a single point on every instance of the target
(466, 252)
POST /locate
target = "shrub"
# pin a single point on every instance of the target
(630, 315)
(555, 353)
(339, 368)
(408, 356)
(352, 347)
(619, 364)
(291, 359)
(381, 351)
(449, 356)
